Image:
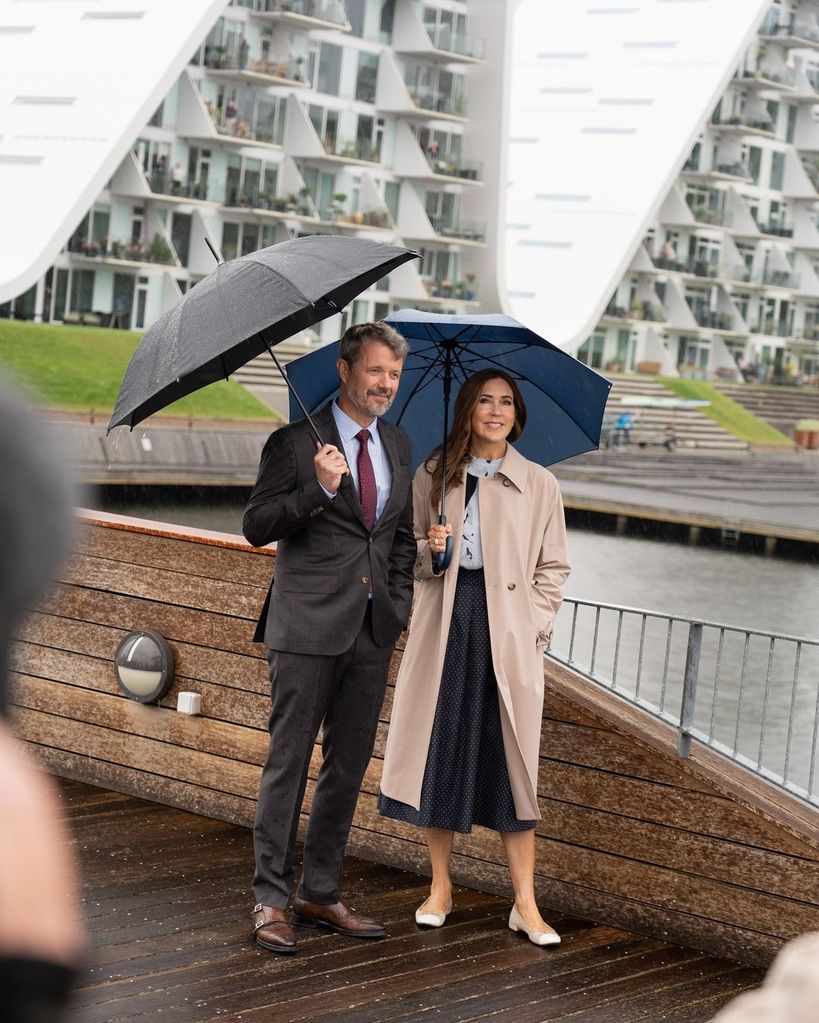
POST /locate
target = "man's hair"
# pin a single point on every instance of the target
(357, 336)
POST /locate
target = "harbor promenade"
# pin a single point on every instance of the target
(770, 495)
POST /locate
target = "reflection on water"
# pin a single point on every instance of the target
(749, 591)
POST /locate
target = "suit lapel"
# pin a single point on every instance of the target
(390, 443)
(347, 491)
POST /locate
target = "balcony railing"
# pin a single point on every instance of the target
(770, 327)
(810, 332)
(779, 278)
(254, 199)
(775, 227)
(741, 121)
(463, 290)
(438, 102)
(642, 309)
(443, 38)
(321, 10)
(354, 149)
(710, 319)
(166, 184)
(362, 218)
(290, 68)
(157, 252)
(705, 215)
(468, 231)
(780, 75)
(466, 170)
(241, 128)
(735, 170)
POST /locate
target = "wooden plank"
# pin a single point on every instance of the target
(195, 559)
(201, 628)
(238, 599)
(775, 805)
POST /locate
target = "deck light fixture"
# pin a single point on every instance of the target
(144, 666)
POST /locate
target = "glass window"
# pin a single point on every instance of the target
(234, 177)
(391, 192)
(60, 294)
(777, 170)
(754, 162)
(252, 180)
(367, 74)
(82, 291)
(230, 240)
(355, 15)
(181, 235)
(250, 238)
(387, 19)
(329, 71)
(790, 130)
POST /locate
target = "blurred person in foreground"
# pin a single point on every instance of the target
(464, 736)
(41, 937)
(342, 518)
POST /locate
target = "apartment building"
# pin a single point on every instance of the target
(292, 117)
(726, 281)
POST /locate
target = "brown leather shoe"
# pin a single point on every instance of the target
(338, 918)
(272, 930)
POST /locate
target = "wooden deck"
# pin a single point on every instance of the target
(166, 895)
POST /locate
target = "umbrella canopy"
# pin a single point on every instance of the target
(241, 309)
(565, 400)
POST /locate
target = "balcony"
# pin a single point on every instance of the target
(463, 170)
(228, 124)
(450, 43)
(794, 34)
(463, 291)
(239, 65)
(438, 104)
(770, 328)
(306, 13)
(778, 279)
(351, 149)
(710, 319)
(364, 219)
(301, 205)
(461, 230)
(745, 125)
(641, 309)
(706, 215)
(133, 252)
(693, 165)
(766, 76)
(175, 188)
(775, 228)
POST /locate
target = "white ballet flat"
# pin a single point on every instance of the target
(431, 919)
(547, 937)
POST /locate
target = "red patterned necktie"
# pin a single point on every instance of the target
(366, 479)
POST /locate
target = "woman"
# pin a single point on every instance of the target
(464, 737)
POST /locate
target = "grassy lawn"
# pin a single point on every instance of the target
(729, 414)
(81, 368)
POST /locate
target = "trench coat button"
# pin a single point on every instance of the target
(510, 586)
(365, 579)
(507, 483)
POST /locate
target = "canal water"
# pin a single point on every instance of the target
(743, 681)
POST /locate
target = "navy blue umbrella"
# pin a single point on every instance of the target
(565, 400)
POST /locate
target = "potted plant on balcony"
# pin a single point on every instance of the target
(159, 251)
(292, 203)
(469, 288)
(279, 204)
(298, 75)
(304, 204)
(337, 205)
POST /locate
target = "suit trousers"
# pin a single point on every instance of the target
(342, 694)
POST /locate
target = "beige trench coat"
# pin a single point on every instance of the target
(523, 541)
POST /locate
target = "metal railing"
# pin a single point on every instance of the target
(751, 696)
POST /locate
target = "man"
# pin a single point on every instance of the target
(342, 516)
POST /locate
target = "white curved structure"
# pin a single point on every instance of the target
(607, 98)
(78, 82)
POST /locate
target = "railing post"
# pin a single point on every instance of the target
(689, 694)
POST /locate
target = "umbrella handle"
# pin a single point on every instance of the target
(440, 562)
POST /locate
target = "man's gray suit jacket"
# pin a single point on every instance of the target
(326, 559)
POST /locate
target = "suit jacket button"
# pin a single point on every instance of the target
(510, 586)
(506, 483)
(371, 539)
(365, 579)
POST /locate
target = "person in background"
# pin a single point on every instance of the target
(342, 518)
(42, 940)
(464, 736)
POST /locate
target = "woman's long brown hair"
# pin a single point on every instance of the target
(460, 436)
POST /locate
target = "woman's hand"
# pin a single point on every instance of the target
(437, 538)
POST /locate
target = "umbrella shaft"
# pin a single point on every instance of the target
(294, 392)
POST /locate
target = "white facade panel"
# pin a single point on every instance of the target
(606, 100)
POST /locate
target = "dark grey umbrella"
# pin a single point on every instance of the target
(244, 307)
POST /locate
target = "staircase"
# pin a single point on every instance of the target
(692, 427)
(261, 377)
(782, 407)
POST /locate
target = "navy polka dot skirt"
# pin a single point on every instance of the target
(466, 781)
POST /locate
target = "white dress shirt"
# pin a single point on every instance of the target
(347, 430)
